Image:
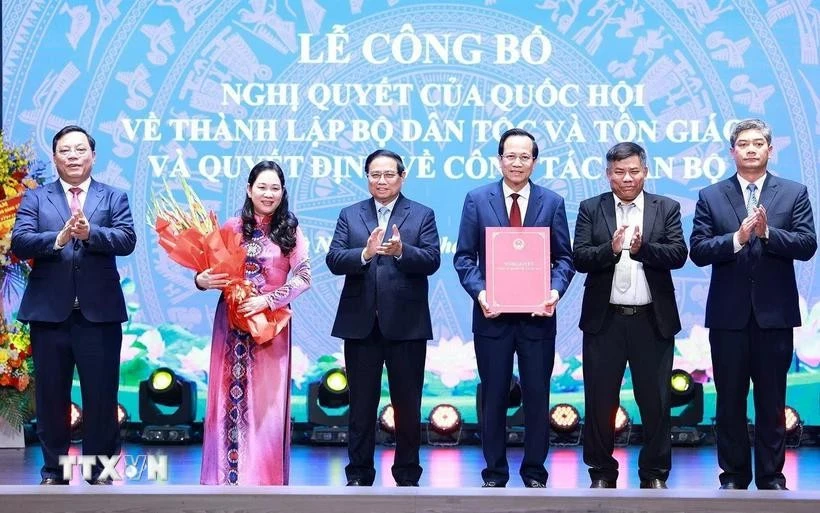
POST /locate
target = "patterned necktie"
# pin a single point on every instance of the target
(515, 211)
(752, 203)
(384, 216)
(623, 269)
(75, 199)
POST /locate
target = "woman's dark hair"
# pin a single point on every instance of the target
(283, 222)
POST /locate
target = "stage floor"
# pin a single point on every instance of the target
(450, 484)
(445, 467)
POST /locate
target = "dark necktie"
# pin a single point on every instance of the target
(515, 211)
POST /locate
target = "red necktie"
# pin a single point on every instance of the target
(75, 199)
(515, 212)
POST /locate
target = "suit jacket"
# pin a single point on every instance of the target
(86, 270)
(485, 207)
(760, 277)
(395, 288)
(662, 249)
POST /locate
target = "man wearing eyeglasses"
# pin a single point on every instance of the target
(73, 229)
(386, 246)
(628, 241)
(513, 201)
(751, 228)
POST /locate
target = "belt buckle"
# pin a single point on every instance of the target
(629, 310)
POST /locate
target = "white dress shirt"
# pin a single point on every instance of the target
(638, 292)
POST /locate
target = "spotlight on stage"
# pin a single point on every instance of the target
(328, 408)
(444, 426)
(386, 435)
(76, 422)
(794, 428)
(687, 409)
(515, 411)
(167, 407)
(122, 415)
(565, 422)
(623, 427)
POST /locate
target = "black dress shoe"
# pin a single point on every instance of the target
(534, 483)
(602, 483)
(653, 483)
(773, 486)
(407, 483)
(98, 481)
(731, 486)
(53, 481)
(493, 484)
(354, 482)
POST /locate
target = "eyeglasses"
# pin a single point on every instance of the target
(375, 177)
(512, 157)
(80, 151)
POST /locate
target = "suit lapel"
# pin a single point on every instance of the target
(731, 189)
(498, 206)
(400, 212)
(650, 215)
(56, 195)
(92, 199)
(770, 188)
(534, 205)
(607, 207)
(368, 215)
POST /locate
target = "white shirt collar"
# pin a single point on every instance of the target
(524, 192)
(638, 201)
(388, 205)
(84, 186)
(745, 183)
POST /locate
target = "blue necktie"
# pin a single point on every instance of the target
(752, 203)
(384, 216)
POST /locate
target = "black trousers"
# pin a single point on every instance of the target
(364, 361)
(632, 339)
(94, 348)
(764, 356)
(494, 357)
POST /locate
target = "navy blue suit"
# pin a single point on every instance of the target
(498, 339)
(384, 319)
(63, 336)
(751, 311)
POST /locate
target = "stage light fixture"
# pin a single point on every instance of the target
(328, 408)
(444, 426)
(515, 411)
(386, 434)
(687, 409)
(174, 422)
(623, 427)
(564, 418)
(794, 428)
(122, 414)
(565, 422)
(76, 422)
(387, 419)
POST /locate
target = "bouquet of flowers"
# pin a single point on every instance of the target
(16, 371)
(193, 239)
(19, 171)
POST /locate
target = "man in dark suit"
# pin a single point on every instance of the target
(628, 241)
(73, 228)
(513, 201)
(386, 247)
(751, 228)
